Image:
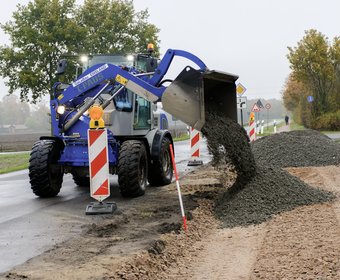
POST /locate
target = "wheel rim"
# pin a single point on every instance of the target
(166, 163)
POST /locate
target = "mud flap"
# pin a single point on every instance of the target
(194, 92)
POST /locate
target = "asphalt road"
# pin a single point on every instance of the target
(30, 225)
(333, 135)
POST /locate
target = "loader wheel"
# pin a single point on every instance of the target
(132, 168)
(46, 176)
(161, 171)
(81, 181)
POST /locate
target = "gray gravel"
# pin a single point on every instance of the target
(263, 189)
(228, 143)
(271, 192)
(296, 149)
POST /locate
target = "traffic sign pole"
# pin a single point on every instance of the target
(241, 104)
(241, 117)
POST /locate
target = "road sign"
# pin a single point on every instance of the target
(240, 89)
(255, 108)
(242, 105)
(310, 98)
(259, 104)
(268, 106)
(241, 102)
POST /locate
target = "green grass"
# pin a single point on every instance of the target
(181, 138)
(270, 129)
(295, 126)
(13, 162)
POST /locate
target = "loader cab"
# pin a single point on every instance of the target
(131, 114)
(142, 62)
(145, 63)
(119, 60)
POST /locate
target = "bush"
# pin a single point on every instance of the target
(328, 121)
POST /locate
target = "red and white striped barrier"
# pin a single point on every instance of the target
(252, 127)
(195, 137)
(252, 131)
(99, 164)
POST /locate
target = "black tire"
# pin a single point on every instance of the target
(81, 181)
(132, 168)
(161, 171)
(46, 176)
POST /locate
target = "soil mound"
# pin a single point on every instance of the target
(296, 149)
(272, 191)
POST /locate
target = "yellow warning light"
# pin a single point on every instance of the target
(251, 117)
(96, 113)
(151, 47)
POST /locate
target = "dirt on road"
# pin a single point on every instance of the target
(282, 224)
(300, 244)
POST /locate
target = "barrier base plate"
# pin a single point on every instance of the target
(195, 162)
(97, 208)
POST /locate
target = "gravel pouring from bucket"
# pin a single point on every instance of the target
(193, 93)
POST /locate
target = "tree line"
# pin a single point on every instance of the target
(14, 113)
(312, 90)
(43, 31)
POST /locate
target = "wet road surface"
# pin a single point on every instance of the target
(30, 225)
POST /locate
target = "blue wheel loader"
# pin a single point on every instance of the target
(127, 89)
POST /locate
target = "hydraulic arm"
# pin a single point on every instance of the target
(184, 98)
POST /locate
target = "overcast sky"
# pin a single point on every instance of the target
(245, 37)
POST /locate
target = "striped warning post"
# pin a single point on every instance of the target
(252, 132)
(252, 127)
(98, 164)
(195, 137)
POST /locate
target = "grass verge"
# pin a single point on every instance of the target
(295, 126)
(13, 162)
(181, 138)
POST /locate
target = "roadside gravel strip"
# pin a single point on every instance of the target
(271, 192)
(263, 189)
(298, 148)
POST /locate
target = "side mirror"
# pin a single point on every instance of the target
(61, 68)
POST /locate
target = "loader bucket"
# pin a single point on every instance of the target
(193, 93)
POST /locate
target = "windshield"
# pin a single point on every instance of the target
(118, 60)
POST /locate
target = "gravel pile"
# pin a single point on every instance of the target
(262, 189)
(271, 192)
(296, 149)
(228, 143)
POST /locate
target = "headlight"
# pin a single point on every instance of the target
(61, 109)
